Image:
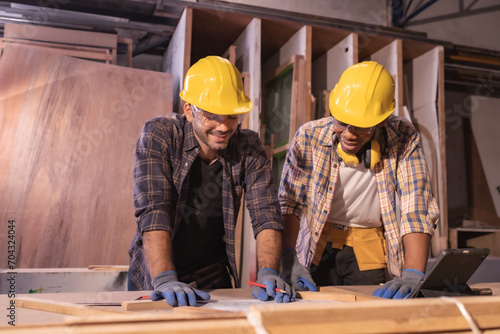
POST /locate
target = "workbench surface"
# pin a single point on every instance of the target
(223, 300)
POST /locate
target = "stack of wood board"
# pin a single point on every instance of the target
(431, 315)
(82, 44)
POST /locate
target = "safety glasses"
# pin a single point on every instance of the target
(341, 126)
(213, 120)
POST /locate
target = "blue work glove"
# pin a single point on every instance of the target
(400, 288)
(272, 281)
(167, 286)
(294, 273)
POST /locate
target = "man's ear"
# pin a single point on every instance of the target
(188, 111)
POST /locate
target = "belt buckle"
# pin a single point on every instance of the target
(340, 227)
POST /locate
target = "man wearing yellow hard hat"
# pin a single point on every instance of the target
(190, 172)
(341, 183)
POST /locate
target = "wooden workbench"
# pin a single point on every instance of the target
(236, 311)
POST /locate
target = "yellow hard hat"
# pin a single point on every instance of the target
(364, 95)
(214, 85)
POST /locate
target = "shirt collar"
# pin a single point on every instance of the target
(326, 133)
(190, 141)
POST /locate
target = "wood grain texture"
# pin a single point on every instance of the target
(68, 128)
(423, 315)
(145, 305)
(63, 307)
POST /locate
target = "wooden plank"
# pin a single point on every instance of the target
(230, 54)
(62, 307)
(302, 112)
(281, 148)
(64, 280)
(88, 53)
(391, 57)
(422, 73)
(280, 69)
(327, 69)
(443, 183)
(247, 60)
(177, 58)
(308, 111)
(89, 49)
(128, 42)
(210, 326)
(484, 122)
(295, 45)
(207, 311)
(67, 139)
(104, 267)
(326, 101)
(59, 35)
(359, 293)
(394, 316)
(309, 295)
(145, 305)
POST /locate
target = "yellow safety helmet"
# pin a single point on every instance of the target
(364, 95)
(214, 85)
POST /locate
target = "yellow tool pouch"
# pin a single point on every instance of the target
(368, 244)
(369, 247)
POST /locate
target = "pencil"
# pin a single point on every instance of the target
(263, 286)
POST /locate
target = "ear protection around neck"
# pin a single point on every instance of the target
(370, 157)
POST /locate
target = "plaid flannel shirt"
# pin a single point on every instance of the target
(164, 153)
(311, 171)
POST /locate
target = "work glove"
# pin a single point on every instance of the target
(270, 278)
(400, 288)
(167, 286)
(294, 273)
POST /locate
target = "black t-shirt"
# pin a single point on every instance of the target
(198, 241)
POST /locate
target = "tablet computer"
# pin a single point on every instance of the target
(450, 273)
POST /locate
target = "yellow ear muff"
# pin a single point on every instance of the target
(371, 156)
(374, 153)
(348, 158)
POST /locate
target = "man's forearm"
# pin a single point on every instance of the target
(158, 251)
(269, 249)
(416, 247)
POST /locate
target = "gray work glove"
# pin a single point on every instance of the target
(167, 286)
(294, 273)
(400, 288)
(270, 278)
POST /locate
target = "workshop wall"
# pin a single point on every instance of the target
(470, 23)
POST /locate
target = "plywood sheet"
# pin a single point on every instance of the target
(391, 58)
(422, 74)
(178, 55)
(63, 280)
(484, 122)
(58, 35)
(431, 315)
(327, 69)
(296, 45)
(248, 50)
(68, 128)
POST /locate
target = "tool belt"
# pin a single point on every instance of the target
(206, 277)
(368, 244)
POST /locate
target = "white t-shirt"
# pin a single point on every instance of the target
(355, 201)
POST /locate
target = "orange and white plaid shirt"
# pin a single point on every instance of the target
(311, 172)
